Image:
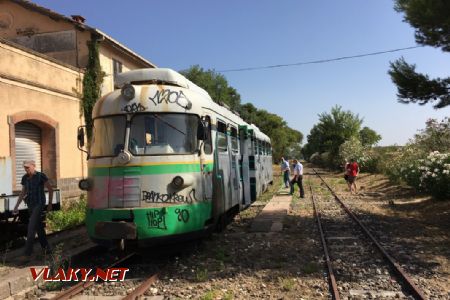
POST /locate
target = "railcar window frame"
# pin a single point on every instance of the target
(208, 142)
(194, 134)
(91, 155)
(260, 147)
(222, 133)
(234, 139)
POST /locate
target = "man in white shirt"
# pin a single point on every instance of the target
(298, 178)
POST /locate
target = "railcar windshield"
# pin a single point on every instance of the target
(108, 136)
(162, 134)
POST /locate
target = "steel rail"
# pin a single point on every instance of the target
(78, 288)
(140, 290)
(416, 292)
(332, 278)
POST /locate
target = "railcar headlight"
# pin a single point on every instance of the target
(84, 184)
(178, 182)
(128, 91)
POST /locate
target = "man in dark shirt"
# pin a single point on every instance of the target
(33, 183)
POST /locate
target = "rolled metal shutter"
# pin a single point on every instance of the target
(28, 146)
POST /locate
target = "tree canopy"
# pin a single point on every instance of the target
(333, 130)
(368, 137)
(215, 84)
(431, 20)
(285, 140)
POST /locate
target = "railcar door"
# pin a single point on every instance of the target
(245, 149)
(221, 177)
(235, 179)
(207, 168)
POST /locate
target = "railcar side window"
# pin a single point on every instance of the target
(208, 142)
(234, 139)
(165, 133)
(221, 136)
(108, 136)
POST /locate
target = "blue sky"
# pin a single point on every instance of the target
(233, 34)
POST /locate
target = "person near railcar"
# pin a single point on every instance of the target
(286, 170)
(33, 183)
(298, 178)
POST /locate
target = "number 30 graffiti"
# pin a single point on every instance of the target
(183, 215)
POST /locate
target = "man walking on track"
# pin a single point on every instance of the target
(33, 183)
(353, 172)
(298, 178)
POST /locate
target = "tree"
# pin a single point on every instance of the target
(368, 137)
(415, 87)
(431, 19)
(215, 84)
(331, 132)
(435, 137)
(283, 138)
(248, 113)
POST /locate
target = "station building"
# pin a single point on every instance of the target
(43, 57)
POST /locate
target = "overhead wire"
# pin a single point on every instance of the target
(321, 61)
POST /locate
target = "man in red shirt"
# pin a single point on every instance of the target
(352, 171)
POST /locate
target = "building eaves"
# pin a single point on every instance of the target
(56, 16)
(123, 47)
(38, 54)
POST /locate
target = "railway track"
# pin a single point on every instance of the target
(358, 266)
(14, 235)
(140, 290)
(143, 271)
(81, 286)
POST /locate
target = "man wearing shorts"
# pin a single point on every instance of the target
(352, 171)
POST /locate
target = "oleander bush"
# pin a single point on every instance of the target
(424, 163)
(367, 157)
(434, 173)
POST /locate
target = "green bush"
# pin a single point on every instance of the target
(68, 217)
(424, 163)
(434, 174)
(364, 155)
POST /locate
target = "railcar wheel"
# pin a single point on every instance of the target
(221, 223)
(121, 245)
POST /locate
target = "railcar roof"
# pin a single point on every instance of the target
(167, 76)
(157, 75)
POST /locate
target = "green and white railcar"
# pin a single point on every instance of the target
(167, 162)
